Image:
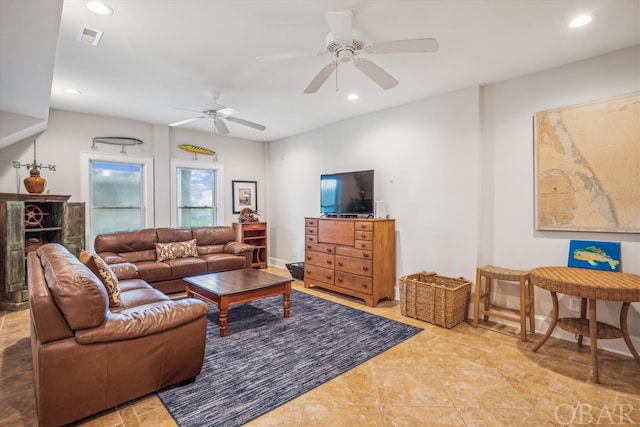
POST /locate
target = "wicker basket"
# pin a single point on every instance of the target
(440, 300)
(296, 269)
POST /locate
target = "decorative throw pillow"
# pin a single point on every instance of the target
(175, 250)
(108, 278)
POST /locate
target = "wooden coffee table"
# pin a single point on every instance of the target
(234, 287)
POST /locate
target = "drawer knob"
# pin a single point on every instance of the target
(328, 276)
(363, 226)
(364, 268)
(308, 258)
(311, 239)
(340, 279)
(308, 246)
(364, 285)
(362, 245)
(329, 261)
(329, 250)
(365, 255)
(340, 264)
(363, 235)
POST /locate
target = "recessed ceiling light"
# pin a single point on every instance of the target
(352, 96)
(580, 21)
(99, 8)
(72, 91)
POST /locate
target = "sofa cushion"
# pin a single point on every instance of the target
(127, 285)
(126, 241)
(124, 270)
(218, 235)
(168, 235)
(140, 256)
(173, 250)
(138, 297)
(102, 270)
(152, 271)
(78, 293)
(184, 267)
(112, 258)
(210, 249)
(223, 262)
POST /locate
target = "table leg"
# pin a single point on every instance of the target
(583, 315)
(286, 301)
(552, 325)
(625, 332)
(223, 308)
(593, 339)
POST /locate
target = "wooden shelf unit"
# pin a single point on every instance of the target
(61, 222)
(254, 233)
(353, 256)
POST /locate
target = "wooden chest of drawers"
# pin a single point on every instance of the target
(354, 256)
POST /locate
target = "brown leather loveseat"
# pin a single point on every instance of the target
(88, 356)
(139, 252)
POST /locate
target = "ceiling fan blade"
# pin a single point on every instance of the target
(246, 123)
(375, 73)
(405, 46)
(340, 25)
(227, 111)
(185, 121)
(220, 126)
(320, 78)
(290, 55)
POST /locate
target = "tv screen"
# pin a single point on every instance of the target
(347, 193)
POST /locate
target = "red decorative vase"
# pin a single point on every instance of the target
(34, 183)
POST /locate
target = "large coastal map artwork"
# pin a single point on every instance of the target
(587, 165)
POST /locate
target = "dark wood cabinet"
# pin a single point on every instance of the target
(28, 221)
(355, 256)
(254, 233)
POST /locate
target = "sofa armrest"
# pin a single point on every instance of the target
(125, 270)
(151, 320)
(238, 248)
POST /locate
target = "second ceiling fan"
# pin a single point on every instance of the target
(218, 114)
(345, 43)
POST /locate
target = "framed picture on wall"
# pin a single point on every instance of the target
(244, 195)
(586, 160)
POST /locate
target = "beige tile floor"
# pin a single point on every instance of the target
(458, 377)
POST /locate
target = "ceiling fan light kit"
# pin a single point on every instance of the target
(344, 43)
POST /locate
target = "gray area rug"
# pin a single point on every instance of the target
(267, 360)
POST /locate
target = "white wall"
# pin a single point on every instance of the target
(507, 210)
(457, 173)
(69, 134)
(424, 155)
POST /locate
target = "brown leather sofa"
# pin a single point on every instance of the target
(135, 251)
(88, 357)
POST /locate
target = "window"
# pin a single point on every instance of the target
(116, 197)
(117, 192)
(195, 195)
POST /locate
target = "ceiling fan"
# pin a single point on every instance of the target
(218, 113)
(345, 43)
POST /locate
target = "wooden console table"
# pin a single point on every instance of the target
(591, 285)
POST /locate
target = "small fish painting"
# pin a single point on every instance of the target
(594, 255)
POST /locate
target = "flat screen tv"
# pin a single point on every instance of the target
(347, 194)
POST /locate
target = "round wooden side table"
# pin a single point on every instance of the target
(591, 285)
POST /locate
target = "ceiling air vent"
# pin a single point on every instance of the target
(90, 36)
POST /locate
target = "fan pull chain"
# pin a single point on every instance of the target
(337, 64)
